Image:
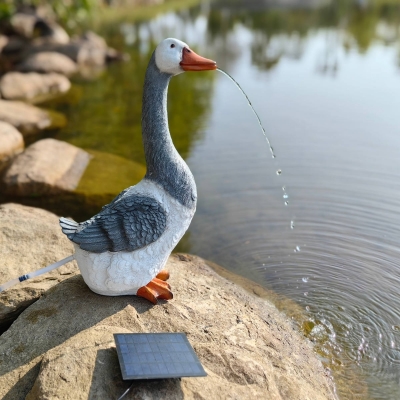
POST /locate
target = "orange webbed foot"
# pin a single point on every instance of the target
(163, 275)
(156, 289)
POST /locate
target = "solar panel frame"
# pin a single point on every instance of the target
(156, 356)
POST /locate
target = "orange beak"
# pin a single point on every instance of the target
(193, 62)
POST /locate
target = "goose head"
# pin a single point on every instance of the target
(173, 57)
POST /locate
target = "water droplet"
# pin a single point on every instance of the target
(279, 171)
(305, 279)
(286, 203)
(297, 248)
(285, 196)
(291, 224)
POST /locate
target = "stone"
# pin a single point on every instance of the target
(46, 167)
(89, 50)
(12, 45)
(29, 119)
(88, 54)
(49, 61)
(11, 143)
(3, 42)
(94, 39)
(19, 86)
(51, 32)
(62, 347)
(28, 25)
(103, 179)
(30, 239)
(23, 24)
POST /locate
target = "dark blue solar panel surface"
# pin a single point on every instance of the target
(156, 356)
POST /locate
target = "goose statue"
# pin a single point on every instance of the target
(123, 249)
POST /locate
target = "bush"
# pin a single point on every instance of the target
(67, 11)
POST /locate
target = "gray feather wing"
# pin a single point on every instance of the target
(128, 224)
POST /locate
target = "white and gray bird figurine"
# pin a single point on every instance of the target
(123, 249)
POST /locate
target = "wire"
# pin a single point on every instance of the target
(126, 392)
(34, 274)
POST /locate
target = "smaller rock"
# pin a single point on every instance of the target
(51, 32)
(94, 39)
(89, 50)
(28, 119)
(3, 42)
(48, 166)
(89, 54)
(13, 45)
(29, 25)
(19, 86)
(49, 61)
(23, 24)
(11, 143)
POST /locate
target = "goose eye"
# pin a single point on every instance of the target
(172, 46)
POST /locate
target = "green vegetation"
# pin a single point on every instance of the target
(72, 13)
(140, 13)
(66, 11)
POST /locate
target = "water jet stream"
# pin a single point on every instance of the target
(254, 111)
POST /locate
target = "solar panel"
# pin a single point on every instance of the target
(156, 356)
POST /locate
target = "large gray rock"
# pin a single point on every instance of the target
(29, 119)
(48, 166)
(62, 346)
(11, 143)
(49, 61)
(19, 86)
(30, 239)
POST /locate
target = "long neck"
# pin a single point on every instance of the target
(164, 164)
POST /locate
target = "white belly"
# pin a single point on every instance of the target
(123, 273)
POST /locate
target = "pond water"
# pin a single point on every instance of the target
(324, 232)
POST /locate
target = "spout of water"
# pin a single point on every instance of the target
(254, 111)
